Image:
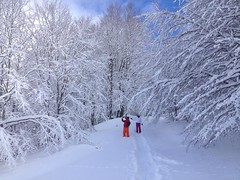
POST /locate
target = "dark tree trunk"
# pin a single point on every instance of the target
(110, 92)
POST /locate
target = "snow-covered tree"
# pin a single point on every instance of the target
(49, 56)
(52, 80)
(124, 40)
(197, 75)
(89, 72)
(12, 54)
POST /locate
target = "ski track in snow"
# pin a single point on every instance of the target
(146, 167)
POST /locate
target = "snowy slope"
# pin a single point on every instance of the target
(157, 153)
(176, 162)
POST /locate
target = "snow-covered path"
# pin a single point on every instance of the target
(156, 154)
(110, 157)
(146, 166)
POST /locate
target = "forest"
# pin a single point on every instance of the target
(61, 75)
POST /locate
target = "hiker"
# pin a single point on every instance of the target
(138, 121)
(126, 124)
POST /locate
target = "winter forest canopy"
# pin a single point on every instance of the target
(61, 75)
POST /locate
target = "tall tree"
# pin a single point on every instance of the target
(200, 77)
(12, 47)
(124, 42)
(89, 83)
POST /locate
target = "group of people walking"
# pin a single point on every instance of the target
(126, 123)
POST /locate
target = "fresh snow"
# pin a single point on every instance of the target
(156, 154)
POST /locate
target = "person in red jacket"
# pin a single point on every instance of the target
(126, 124)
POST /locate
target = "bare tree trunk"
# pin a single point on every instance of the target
(110, 93)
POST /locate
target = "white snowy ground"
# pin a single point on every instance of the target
(156, 154)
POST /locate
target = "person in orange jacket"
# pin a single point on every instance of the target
(126, 124)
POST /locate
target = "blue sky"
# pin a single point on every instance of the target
(95, 8)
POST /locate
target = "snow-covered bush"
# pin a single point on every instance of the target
(10, 148)
(19, 136)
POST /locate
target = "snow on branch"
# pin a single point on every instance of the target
(197, 48)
